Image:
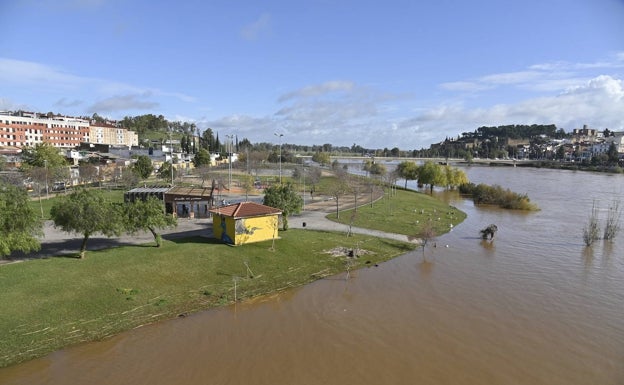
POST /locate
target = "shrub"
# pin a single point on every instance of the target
(496, 195)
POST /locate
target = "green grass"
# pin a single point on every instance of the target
(51, 303)
(406, 212)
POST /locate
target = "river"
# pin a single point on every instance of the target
(533, 306)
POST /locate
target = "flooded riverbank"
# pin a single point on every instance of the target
(535, 306)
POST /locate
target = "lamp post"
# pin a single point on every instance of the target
(280, 155)
(171, 152)
(304, 189)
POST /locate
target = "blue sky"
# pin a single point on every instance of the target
(379, 74)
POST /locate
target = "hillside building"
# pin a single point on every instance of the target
(27, 129)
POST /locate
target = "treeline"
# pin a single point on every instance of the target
(516, 131)
(142, 124)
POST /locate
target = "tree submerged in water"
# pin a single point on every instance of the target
(591, 231)
(489, 231)
(612, 226)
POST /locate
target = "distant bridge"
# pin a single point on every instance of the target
(502, 162)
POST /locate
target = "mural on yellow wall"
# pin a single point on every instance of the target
(254, 229)
(245, 222)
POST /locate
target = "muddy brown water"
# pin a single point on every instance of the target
(535, 306)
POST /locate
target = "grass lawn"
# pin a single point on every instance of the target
(51, 303)
(406, 212)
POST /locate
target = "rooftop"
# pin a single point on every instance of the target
(245, 210)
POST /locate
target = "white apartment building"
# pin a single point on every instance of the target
(27, 129)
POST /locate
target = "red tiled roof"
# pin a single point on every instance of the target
(245, 210)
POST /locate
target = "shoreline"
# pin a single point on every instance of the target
(168, 305)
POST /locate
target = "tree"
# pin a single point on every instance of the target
(454, 177)
(322, 158)
(336, 189)
(201, 158)
(208, 141)
(285, 198)
(184, 144)
(613, 155)
(42, 155)
(407, 170)
(247, 183)
(39, 175)
(86, 212)
(165, 171)
(88, 173)
(143, 166)
(426, 234)
(19, 225)
(431, 174)
(378, 169)
(127, 178)
(147, 215)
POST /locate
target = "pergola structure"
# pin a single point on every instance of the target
(189, 202)
(183, 202)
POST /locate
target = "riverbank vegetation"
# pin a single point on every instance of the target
(403, 212)
(51, 303)
(483, 194)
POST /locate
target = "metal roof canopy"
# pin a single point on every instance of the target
(188, 193)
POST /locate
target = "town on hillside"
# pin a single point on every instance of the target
(537, 142)
(99, 150)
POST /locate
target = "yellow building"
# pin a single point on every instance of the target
(245, 222)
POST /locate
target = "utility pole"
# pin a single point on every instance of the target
(280, 155)
(228, 147)
(45, 162)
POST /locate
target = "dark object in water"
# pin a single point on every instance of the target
(489, 231)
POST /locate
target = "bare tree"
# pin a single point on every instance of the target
(427, 234)
(337, 189)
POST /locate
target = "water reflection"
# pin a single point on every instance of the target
(488, 245)
(425, 268)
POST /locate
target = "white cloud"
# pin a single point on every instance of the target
(346, 115)
(113, 95)
(7, 104)
(542, 77)
(64, 102)
(256, 29)
(317, 90)
(123, 102)
(598, 102)
(34, 74)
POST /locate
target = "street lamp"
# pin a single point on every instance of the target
(171, 153)
(280, 155)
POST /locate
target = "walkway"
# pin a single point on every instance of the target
(58, 243)
(315, 220)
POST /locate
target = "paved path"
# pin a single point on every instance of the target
(58, 243)
(315, 220)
